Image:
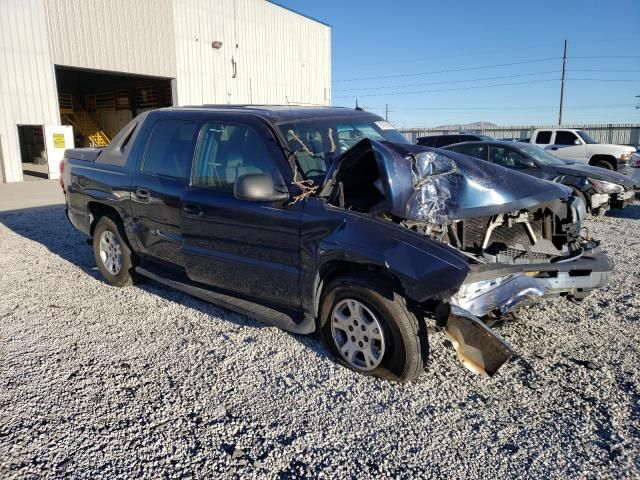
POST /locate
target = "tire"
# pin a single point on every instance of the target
(603, 164)
(403, 347)
(116, 269)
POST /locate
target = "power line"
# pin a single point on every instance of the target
(605, 56)
(603, 70)
(479, 67)
(446, 82)
(499, 108)
(427, 58)
(449, 89)
(408, 85)
(602, 80)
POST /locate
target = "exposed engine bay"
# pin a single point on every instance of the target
(437, 207)
(523, 237)
(473, 213)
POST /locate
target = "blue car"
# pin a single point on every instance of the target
(599, 188)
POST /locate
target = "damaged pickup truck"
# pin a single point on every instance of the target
(327, 220)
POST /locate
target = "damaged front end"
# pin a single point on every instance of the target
(522, 237)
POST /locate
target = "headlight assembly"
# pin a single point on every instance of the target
(625, 157)
(606, 187)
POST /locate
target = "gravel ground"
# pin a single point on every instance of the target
(103, 382)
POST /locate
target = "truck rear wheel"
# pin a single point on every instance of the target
(371, 329)
(113, 256)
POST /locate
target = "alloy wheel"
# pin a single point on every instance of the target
(110, 252)
(358, 334)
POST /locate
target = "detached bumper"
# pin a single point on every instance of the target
(576, 277)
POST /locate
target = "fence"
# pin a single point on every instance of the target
(622, 134)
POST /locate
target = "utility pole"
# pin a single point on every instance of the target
(386, 112)
(564, 67)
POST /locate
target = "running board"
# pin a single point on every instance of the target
(262, 313)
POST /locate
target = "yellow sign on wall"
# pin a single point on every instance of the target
(58, 140)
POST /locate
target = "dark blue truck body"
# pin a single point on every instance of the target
(276, 255)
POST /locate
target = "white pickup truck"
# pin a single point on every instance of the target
(578, 146)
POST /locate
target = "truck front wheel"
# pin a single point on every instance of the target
(370, 327)
(113, 256)
(602, 164)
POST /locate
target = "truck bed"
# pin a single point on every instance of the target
(86, 154)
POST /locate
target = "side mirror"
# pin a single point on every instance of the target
(527, 163)
(258, 187)
(577, 142)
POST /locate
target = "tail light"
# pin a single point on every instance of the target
(61, 169)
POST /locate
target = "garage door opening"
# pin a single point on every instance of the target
(98, 103)
(32, 152)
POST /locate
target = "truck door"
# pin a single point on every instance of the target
(566, 144)
(156, 188)
(248, 248)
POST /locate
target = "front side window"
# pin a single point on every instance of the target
(586, 137)
(170, 149)
(542, 156)
(225, 152)
(318, 143)
(506, 157)
(544, 137)
(477, 151)
(566, 138)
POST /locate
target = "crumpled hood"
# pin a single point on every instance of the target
(597, 173)
(437, 186)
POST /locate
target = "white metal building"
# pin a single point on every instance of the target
(94, 64)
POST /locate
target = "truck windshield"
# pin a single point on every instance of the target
(585, 136)
(540, 156)
(318, 143)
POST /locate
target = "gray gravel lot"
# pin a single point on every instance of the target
(103, 382)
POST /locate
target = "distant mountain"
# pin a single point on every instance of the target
(468, 126)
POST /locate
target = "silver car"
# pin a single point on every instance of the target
(635, 166)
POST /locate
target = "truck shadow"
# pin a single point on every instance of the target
(49, 227)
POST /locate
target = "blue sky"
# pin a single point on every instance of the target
(410, 43)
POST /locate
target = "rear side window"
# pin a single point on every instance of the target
(226, 152)
(426, 141)
(170, 149)
(544, 137)
(477, 151)
(565, 138)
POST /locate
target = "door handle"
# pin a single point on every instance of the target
(142, 194)
(554, 148)
(192, 209)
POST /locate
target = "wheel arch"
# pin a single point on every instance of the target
(97, 210)
(610, 159)
(333, 269)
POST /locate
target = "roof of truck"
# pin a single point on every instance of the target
(281, 113)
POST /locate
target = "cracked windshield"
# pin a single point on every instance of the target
(318, 143)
